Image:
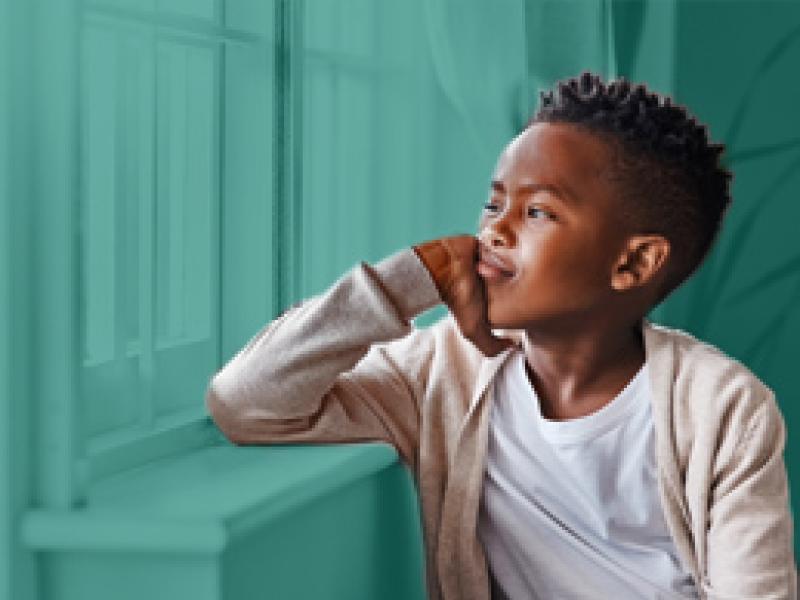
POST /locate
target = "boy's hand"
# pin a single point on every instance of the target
(452, 262)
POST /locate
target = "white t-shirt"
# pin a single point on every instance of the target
(570, 509)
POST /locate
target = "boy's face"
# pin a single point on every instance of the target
(563, 242)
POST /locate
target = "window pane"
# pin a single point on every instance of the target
(150, 163)
(403, 117)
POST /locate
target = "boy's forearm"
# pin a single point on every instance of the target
(284, 370)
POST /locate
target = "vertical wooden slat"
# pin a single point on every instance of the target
(17, 470)
(119, 225)
(278, 153)
(295, 27)
(248, 292)
(216, 209)
(108, 380)
(147, 161)
(7, 378)
(99, 164)
(201, 189)
(172, 201)
(287, 231)
(55, 291)
(161, 224)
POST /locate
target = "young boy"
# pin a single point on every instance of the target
(563, 446)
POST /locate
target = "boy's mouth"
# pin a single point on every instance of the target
(492, 265)
(492, 273)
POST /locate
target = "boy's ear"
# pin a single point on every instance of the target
(643, 257)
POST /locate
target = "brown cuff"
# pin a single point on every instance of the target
(436, 258)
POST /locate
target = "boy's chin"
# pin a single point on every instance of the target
(502, 321)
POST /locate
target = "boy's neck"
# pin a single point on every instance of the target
(577, 375)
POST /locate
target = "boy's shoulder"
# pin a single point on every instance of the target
(697, 374)
(697, 358)
(707, 384)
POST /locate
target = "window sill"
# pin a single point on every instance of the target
(230, 522)
(203, 500)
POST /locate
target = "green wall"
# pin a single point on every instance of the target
(173, 174)
(737, 69)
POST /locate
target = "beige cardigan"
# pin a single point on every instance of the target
(348, 365)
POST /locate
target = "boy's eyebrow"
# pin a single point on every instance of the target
(559, 191)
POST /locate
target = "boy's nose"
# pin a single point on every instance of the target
(498, 233)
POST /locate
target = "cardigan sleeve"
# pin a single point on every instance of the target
(750, 533)
(343, 366)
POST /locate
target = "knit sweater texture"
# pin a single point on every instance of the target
(349, 365)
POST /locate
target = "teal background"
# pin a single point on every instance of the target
(175, 173)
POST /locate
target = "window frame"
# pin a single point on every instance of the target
(191, 428)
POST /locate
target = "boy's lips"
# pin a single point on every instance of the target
(503, 265)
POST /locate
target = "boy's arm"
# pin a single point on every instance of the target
(750, 530)
(320, 372)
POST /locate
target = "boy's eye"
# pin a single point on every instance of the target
(533, 209)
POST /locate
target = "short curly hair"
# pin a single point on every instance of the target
(672, 180)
